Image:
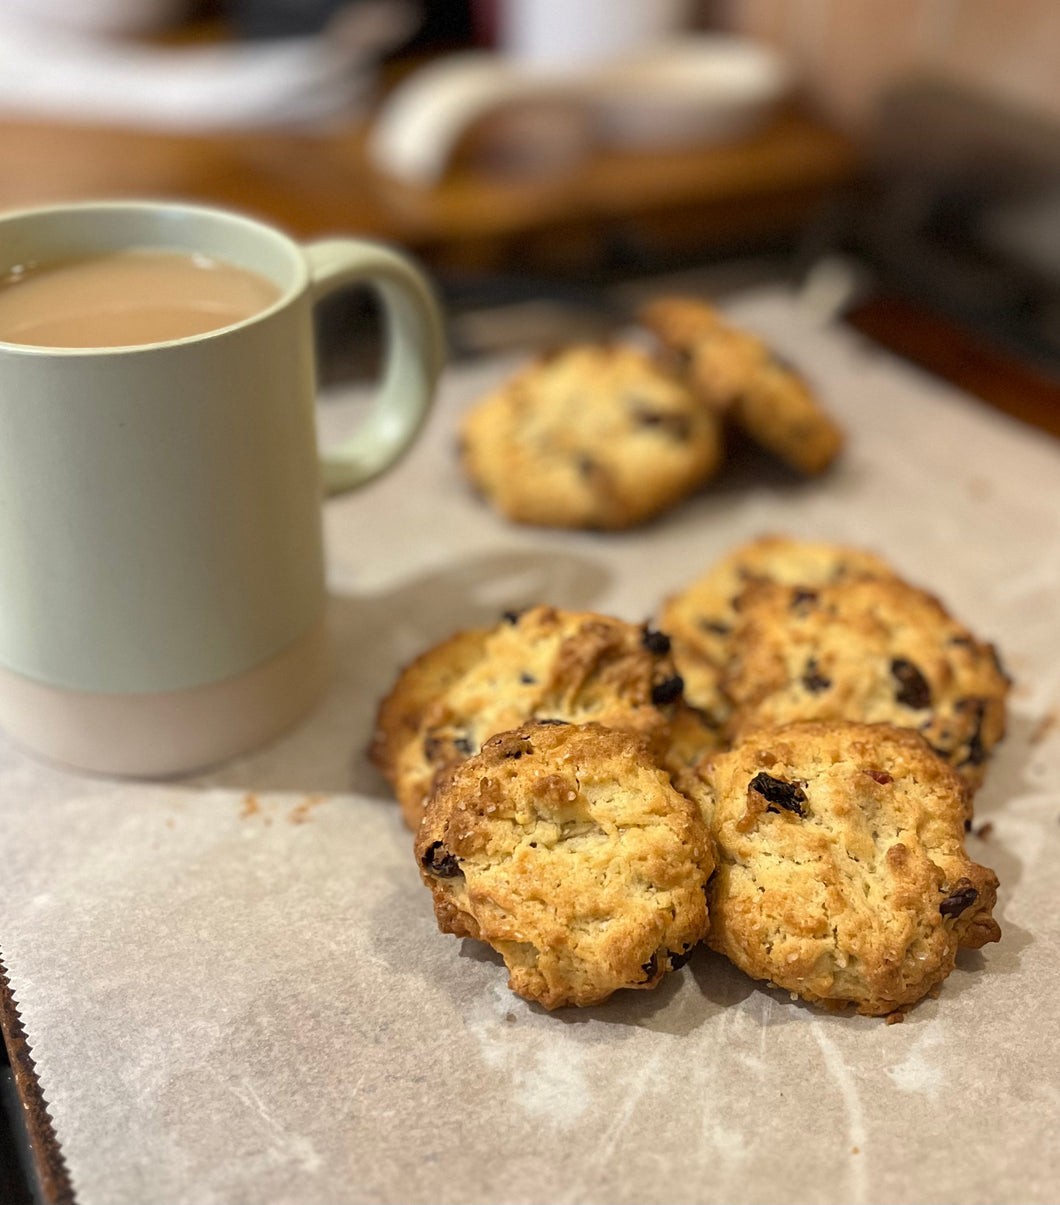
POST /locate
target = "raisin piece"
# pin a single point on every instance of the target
(651, 967)
(803, 598)
(551, 721)
(683, 357)
(976, 751)
(913, 690)
(439, 861)
(880, 776)
(527, 679)
(668, 691)
(514, 754)
(678, 958)
(677, 426)
(657, 643)
(813, 681)
(778, 794)
(431, 747)
(462, 745)
(586, 466)
(714, 625)
(511, 617)
(976, 748)
(963, 896)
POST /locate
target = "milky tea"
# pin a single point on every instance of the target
(127, 298)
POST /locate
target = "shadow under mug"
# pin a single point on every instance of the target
(162, 588)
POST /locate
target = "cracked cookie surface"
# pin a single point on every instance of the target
(736, 375)
(701, 617)
(592, 436)
(543, 663)
(866, 649)
(566, 849)
(841, 870)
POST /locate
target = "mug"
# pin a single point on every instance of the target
(162, 589)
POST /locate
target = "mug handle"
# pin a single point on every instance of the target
(415, 354)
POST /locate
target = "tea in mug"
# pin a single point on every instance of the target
(127, 298)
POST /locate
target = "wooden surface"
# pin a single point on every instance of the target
(966, 359)
(315, 184)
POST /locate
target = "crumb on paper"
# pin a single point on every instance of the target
(855, 1150)
(980, 488)
(251, 807)
(299, 814)
(984, 830)
(1044, 726)
(170, 822)
(892, 1019)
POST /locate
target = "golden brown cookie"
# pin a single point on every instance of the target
(700, 618)
(841, 871)
(543, 663)
(566, 849)
(867, 649)
(593, 436)
(738, 376)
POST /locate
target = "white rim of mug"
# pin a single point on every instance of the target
(211, 211)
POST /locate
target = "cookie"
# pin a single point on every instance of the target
(841, 871)
(542, 664)
(593, 437)
(701, 617)
(566, 849)
(868, 649)
(738, 376)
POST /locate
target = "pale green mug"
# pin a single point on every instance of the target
(162, 587)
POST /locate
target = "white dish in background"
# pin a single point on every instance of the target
(694, 89)
(421, 123)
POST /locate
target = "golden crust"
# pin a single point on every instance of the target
(545, 663)
(593, 436)
(841, 873)
(736, 374)
(412, 706)
(700, 618)
(566, 849)
(866, 649)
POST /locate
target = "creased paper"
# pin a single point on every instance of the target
(235, 990)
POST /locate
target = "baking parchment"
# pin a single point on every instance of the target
(235, 990)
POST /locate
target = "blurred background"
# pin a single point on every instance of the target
(895, 161)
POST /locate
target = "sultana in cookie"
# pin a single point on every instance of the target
(868, 649)
(544, 663)
(738, 376)
(566, 849)
(701, 617)
(841, 871)
(594, 436)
